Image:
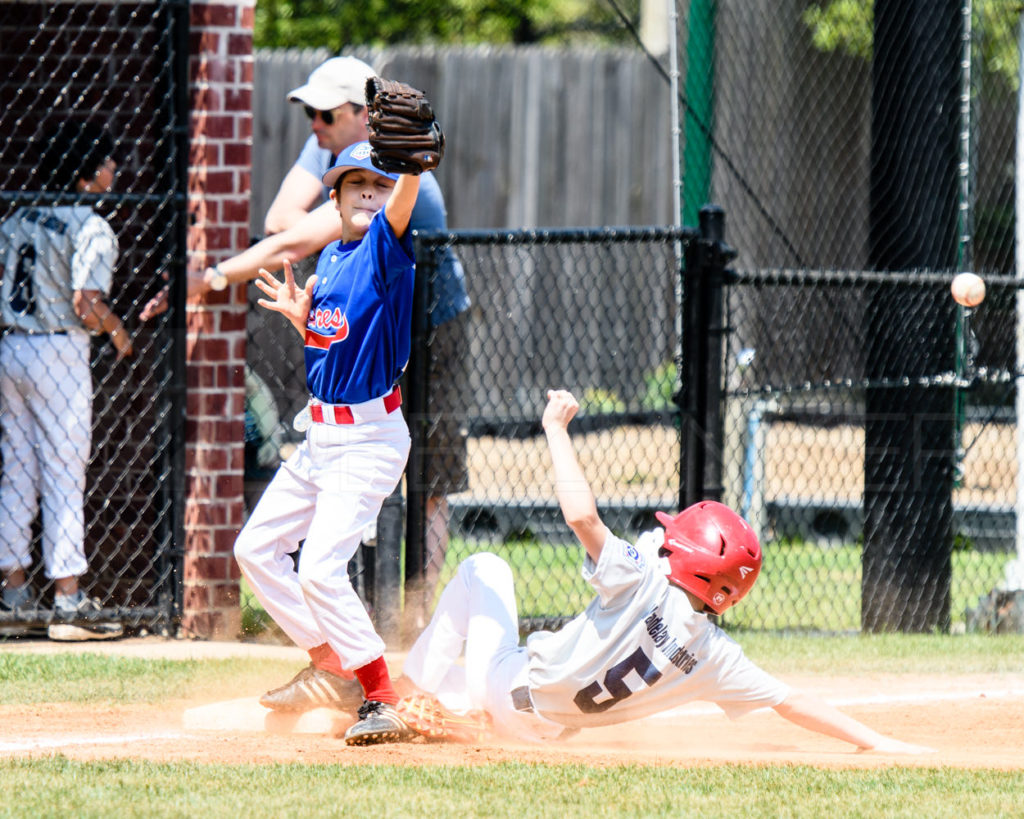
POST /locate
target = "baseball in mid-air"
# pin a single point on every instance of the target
(968, 289)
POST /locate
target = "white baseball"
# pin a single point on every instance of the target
(968, 289)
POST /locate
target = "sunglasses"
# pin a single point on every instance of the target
(326, 116)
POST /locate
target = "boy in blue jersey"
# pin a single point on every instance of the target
(354, 315)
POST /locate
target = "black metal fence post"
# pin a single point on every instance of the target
(417, 391)
(909, 447)
(700, 399)
(171, 602)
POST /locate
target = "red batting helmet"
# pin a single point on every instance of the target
(712, 553)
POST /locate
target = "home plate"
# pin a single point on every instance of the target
(248, 715)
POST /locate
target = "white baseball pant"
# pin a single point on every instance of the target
(477, 613)
(326, 494)
(46, 414)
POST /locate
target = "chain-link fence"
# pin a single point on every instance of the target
(836, 430)
(870, 429)
(93, 112)
(864, 423)
(778, 433)
(591, 311)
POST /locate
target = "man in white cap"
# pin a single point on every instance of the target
(334, 98)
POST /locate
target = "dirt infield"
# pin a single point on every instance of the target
(974, 721)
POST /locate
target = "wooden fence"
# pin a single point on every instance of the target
(536, 137)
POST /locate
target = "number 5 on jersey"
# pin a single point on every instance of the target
(615, 683)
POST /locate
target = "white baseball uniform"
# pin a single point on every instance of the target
(334, 484)
(47, 253)
(638, 649)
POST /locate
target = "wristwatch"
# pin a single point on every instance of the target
(218, 280)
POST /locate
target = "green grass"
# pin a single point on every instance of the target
(29, 678)
(860, 654)
(95, 678)
(59, 787)
(802, 587)
(547, 576)
(805, 586)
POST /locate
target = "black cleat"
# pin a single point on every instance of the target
(378, 722)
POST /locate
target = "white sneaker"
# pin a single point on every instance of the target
(86, 610)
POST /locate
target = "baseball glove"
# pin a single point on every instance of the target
(404, 136)
(427, 717)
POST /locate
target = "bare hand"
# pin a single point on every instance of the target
(289, 299)
(122, 343)
(161, 301)
(561, 409)
(197, 285)
(156, 305)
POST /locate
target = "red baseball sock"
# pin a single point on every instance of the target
(376, 682)
(325, 659)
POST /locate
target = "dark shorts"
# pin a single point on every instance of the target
(446, 471)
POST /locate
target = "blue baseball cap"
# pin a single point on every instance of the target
(354, 157)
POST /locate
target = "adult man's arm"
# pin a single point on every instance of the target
(309, 235)
(299, 192)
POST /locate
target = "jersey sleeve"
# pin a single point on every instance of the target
(393, 256)
(94, 256)
(742, 686)
(620, 569)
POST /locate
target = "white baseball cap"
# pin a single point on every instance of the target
(337, 81)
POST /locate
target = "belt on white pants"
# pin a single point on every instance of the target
(375, 409)
(523, 702)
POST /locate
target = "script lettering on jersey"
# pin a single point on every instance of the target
(47, 220)
(328, 326)
(667, 644)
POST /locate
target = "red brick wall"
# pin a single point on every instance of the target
(221, 69)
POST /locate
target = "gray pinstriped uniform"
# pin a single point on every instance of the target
(47, 253)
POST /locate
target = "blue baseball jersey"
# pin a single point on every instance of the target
(358, 333)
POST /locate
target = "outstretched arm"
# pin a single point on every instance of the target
(299, 191)
(815, 714)
(398, 209)
(309, 235)
(571, 486)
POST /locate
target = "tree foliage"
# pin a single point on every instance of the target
(336, 24)
(846, 26)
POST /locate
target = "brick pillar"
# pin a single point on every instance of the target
(221, 74)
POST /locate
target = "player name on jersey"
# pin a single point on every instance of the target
(679, 656)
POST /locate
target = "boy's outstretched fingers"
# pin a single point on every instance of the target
(268, 277)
